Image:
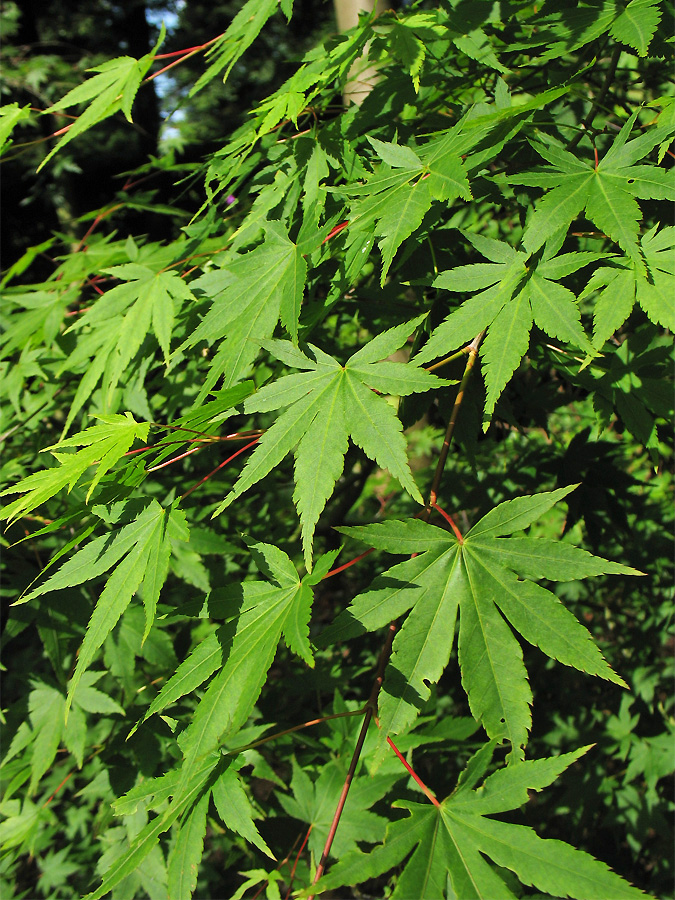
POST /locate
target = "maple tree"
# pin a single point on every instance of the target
(451, 305)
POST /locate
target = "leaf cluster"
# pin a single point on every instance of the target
(435, 325)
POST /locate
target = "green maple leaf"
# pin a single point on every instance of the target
(637, 24)
(140, 551)
(622, 284)
(629, 383)
(103, 445)
(478, 581)
(240, 34)
(407, 41)
(314, 802)
(606, 192)
(112, 332)
(10, 116)
(242, 650)
(570, 28)
(445, 845)
(155, 295)
(250, 295)
(514, 292)
(113, 88)
(392, 203)
(328, 403)
(203, 779)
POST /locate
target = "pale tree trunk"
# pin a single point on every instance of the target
(362, 77)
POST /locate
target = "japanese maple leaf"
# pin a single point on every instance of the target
(393, 202)
(476, 579)
(514, 291)
(327, 404)
(444, 845)
(622, 283)
(606, 190)
(314, 802)
(250, 294)
(240, 652)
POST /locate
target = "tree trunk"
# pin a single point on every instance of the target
(362, 77)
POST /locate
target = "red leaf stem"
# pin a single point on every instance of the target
(348, 564)
(295, 864)
(412, 772)
(168, 462)
(211, 474)
(334, 231)
(448, 518)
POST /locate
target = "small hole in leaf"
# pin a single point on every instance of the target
(503, 721)
(631, 181)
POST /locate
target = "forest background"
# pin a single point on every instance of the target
(122, 259)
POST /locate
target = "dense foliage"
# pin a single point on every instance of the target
(356, 474)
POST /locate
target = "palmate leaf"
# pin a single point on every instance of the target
(157, 293)
(445, 845)
(328, 403)
(476, 579)
(406, 42)
(250, 294)
(314, 801)
(113, 88)
(145, 566)
(392, 204)
(241, 32)
(46, 727)
(514, 292)
(575, 25)
(122, 318)
(622, 283)
(103, 446)
(141, 551)
(204, 777)
(607, 192)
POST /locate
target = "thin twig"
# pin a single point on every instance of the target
(372, 703)
(609, 80)
(278, 734)
(217, 468)
(295, 864)
(433, 493)
(448, 359)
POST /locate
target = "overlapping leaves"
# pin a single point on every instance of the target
(240, 652)
(444, 846)
(607, 190)
(103, 446)
(515, 291)
(478, 581)
(622, 283)
(249, 295)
